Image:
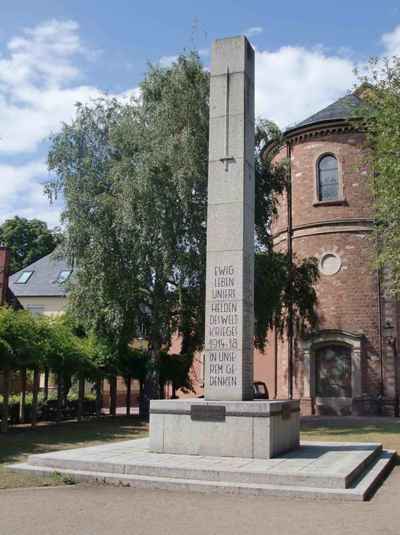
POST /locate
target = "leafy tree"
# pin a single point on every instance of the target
(23, 338)
(64, 357)
(380, 120)
(133, 364)
(28, 240)
(6, 362)
(134, 179)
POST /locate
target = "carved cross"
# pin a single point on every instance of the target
(227, 159)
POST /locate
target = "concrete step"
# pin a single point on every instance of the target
(361, 490)
(314, 465)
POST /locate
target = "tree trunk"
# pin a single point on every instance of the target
(128, 395)
(98, 396)
(35, 392)
(67, 383)
(152, 388)
(6, 396)
(142, 411)
(60, 395)
(113, 395)
(22, 397)
(81, 397)
(46, 383)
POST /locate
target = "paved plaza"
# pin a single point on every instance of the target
(315, 470)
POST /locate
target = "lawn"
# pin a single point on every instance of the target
(16, 445)
(353, 430)
(23, 441)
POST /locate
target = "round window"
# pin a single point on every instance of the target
(330, 263)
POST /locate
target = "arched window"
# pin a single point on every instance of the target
(333, 367)
(328, 178)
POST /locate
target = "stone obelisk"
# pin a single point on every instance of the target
(225, 423)
(228, 371)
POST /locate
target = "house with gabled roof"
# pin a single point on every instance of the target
(42, 286)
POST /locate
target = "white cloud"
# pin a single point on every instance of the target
(254, 30)
(391, 42)
(38, 89)
(167, 61)
(40, 83)
(294, 82)
(22, 192)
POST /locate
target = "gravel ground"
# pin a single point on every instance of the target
(101, 510)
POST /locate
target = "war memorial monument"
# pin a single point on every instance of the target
(228, 442)
(227, 422)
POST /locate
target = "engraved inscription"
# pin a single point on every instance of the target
(223, 324)
(208, 413)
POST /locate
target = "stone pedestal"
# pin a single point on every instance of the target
(248, 429)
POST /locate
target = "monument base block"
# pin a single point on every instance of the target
(248, 429)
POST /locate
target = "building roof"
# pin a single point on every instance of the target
(43, 280)
(341, 110)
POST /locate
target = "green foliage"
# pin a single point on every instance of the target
(381, 120)
(23, 339)
(28, 240)
(176, 368)
(134, 363)
(270, 180)
(134, 179)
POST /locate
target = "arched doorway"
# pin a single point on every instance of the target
(332, 371)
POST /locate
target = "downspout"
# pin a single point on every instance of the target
(290, 265)
(381, 382)
(275, 363)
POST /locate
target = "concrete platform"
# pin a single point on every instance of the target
(318, 470)
(258, 429)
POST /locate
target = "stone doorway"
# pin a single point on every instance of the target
(332, 371)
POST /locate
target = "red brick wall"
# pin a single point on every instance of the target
(348, 149)
(347, 300)
(4, 267)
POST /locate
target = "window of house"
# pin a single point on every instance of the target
(328, 178)
(24, 277)
(333, 365)
(63, 276)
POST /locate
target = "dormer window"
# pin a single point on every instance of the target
(24, 277)
(63, 276)
(328, 178)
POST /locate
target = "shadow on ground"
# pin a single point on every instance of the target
(16, 445)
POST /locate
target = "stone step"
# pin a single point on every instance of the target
(361, 490)
(310, 466)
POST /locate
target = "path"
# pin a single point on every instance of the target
(86, 510)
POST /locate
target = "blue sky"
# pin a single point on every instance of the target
(53, 53)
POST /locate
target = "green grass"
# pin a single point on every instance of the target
(387, 434)
(19, 443)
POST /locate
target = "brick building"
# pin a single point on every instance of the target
(349, 364)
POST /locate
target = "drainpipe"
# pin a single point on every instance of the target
(275, 363)
(290, 265)
(381, 382)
